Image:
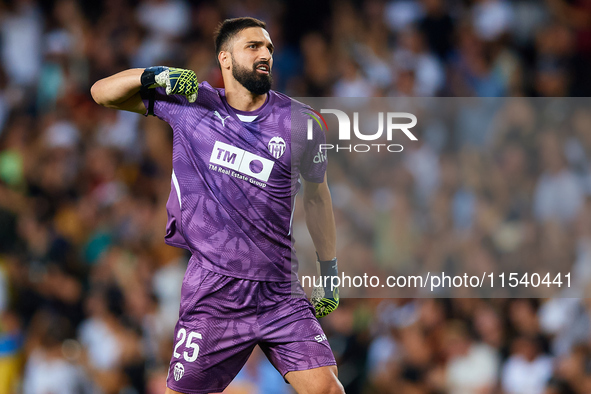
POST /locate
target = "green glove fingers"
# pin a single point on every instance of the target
(325, 299)
(324, 303)
(175, 80)
(184, 82)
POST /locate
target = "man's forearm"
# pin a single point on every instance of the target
(118, 88)
(321, 225)
(320, 220)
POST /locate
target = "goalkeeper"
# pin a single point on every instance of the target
(238, 154)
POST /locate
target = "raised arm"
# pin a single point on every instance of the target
(120, 91)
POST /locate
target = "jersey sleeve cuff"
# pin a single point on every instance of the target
(149, 97)
(314, 178)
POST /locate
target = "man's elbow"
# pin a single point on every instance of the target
(97, 91)
(316, 193)
(316, 199)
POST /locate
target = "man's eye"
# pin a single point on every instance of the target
(252, 46)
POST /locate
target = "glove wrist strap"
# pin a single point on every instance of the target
(148, 77)
(328, 267)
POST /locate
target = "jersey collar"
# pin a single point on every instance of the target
(250, 116)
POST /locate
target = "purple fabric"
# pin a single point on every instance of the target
(236, 181)
(227, 317)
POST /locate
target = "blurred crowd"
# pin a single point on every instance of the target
(512, 195)
(89, 293)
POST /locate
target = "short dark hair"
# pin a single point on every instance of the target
(230, 27)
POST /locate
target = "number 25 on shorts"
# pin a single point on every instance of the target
(182, 335)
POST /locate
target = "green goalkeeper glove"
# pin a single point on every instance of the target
(175, 80)
(324, 299)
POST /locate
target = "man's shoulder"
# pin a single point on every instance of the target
(209, 98)
(283, 100)
(205, 87)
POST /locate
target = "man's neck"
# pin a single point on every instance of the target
(238, 97)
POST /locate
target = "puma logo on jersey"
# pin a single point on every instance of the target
(216, 113)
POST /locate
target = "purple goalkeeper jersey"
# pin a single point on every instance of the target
(234, 176)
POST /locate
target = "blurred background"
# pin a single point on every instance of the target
(89, 293)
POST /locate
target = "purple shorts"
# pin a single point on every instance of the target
(222, 319)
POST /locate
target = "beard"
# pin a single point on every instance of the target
(253, 81)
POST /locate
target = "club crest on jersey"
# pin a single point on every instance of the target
(179, 371)
(276, 147)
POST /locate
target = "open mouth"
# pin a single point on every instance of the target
(263, 68)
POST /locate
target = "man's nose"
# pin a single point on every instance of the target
(265, 55)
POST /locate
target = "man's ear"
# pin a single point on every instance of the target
(225, 60)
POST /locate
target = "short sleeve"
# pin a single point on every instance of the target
(314, 158)
(168, 108)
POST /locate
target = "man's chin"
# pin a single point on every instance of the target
(253, 81)
(259, 92)
(259, 87)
